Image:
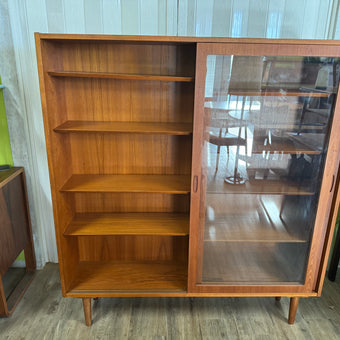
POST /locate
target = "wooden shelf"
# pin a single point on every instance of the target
(217, 185)
(258, 222)
(254, 218)
(255, 118)
(283, 145)
(253, 263)
(221, 230)
(125, 127)
(88, 224)
(281, 93)
(166, 184)
(83, 74)
(276, 183)
(129, 276)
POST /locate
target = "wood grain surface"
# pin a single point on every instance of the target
(129, 224)
(128, 183)
(126, 127)
(83, 74)
(130, 276)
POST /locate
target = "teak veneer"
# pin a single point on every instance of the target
(119, 76)
(16, 236)
(168, 184)
(140, 207)
(126, 127)
(129, 224)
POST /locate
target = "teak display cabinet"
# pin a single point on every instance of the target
(190, 166)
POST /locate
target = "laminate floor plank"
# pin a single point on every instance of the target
(44, 314)
(182, 319)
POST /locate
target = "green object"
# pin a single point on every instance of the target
(21, 257)
(5, 146)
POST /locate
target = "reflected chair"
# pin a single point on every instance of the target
(245, 82)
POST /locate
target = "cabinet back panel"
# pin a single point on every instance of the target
(119, 153)
(130, 202)
(128, 100)
(133, 58)
(133, 248)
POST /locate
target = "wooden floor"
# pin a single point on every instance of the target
(44, 314)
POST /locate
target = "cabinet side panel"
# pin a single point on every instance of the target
(329, 236)
(58, 152)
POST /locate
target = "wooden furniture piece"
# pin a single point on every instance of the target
(16, 235)
(139, 207)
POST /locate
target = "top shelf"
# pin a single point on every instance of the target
(83, 74)
(125, 127)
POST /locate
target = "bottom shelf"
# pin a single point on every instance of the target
(146, 276)
(235, 263)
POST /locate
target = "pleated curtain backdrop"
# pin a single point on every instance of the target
(303, 19)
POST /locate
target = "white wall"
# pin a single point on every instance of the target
(245, 18)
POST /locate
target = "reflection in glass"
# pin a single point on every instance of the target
(266, 132)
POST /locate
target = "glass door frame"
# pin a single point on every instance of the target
(316, 258)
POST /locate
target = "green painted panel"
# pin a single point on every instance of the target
(21, 257)
(5, 146)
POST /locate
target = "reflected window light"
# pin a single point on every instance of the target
(212, 233)
(210, 76)
(237, 24)
(210, 213)
(274, 25)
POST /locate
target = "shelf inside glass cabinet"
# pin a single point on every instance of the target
(217, 185)
(258, 218)
(253, 263)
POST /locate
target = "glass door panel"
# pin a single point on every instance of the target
(266, 129)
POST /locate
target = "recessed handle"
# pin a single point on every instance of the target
(195, 184)
(332, 183)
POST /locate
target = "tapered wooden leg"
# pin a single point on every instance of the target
(277, 298)
(294, 301)
(3, 303)
(87, 311)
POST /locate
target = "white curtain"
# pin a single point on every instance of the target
(303, 19)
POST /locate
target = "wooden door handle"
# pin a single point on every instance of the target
(332, 183)
(195, 184)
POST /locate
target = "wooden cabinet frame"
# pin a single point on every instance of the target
(122, 212)
(309, 288)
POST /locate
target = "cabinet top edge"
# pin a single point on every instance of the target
(8, 175)
(181, 39)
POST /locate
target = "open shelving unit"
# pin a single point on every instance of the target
(119, 117)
